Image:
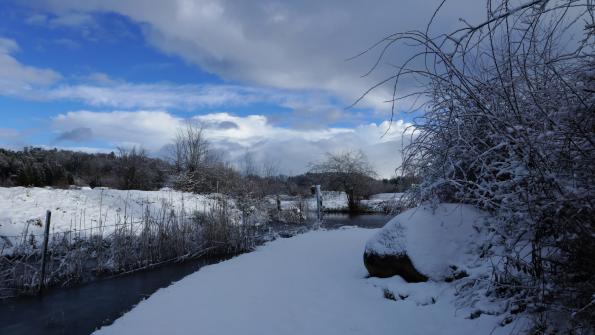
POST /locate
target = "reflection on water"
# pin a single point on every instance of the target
(82, 309)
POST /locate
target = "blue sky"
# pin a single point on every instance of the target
(96, 75)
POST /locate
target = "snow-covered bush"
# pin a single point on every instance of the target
(509, 127)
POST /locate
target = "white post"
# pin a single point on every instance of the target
(319, 202)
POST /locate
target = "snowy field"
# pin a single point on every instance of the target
(313, 283)
(377, 202)
(24, 208)
(337, 201)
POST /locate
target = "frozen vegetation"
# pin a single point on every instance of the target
(99, 232)
(22, 209)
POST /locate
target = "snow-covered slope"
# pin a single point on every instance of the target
(433, 238)
(24, 208)
(313, 283)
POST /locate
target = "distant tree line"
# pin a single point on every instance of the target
(200, 168)
(192, 166)
(127, 169)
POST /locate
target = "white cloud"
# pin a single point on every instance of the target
(295, 154)
(282, 44)
(310, 109)
(150, 129)
(17, 78)
(159, 96)
(252, 129)
(37, 19)
(66, 19)
(72, 20)
(236, 135)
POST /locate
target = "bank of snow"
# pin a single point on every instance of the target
(313, 283)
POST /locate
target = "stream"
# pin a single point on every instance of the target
(85, 308)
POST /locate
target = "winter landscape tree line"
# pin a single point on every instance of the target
(193, 165)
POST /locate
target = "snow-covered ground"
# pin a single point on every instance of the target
(382, 201)
(24, 208)
(337, 201)
(313, 283)
(331, 200)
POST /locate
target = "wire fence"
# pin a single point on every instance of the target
(83, 253)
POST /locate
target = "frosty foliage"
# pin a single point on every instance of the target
(509, 127)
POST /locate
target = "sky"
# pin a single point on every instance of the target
(270, 78)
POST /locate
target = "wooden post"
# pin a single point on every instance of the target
(46, 236)
(278, 200)
(319, 203)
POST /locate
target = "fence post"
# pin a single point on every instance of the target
(48, 216)
(319, 202)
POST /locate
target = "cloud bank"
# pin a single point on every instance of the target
(282, 44)
(17, 78)
(236, 135)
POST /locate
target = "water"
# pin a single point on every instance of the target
(82, 309)
(336, 220)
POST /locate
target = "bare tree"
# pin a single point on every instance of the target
(248, 165)
(270, 168)
(349, 171)
(198, 167)
(190, 148)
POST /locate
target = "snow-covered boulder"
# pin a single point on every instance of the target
(425, 242)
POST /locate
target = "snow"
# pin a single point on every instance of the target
(331, 200)
(83, 208)
(382, 202)
(386, 196)
(337, 201)
(313, 283)
(433, 238)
